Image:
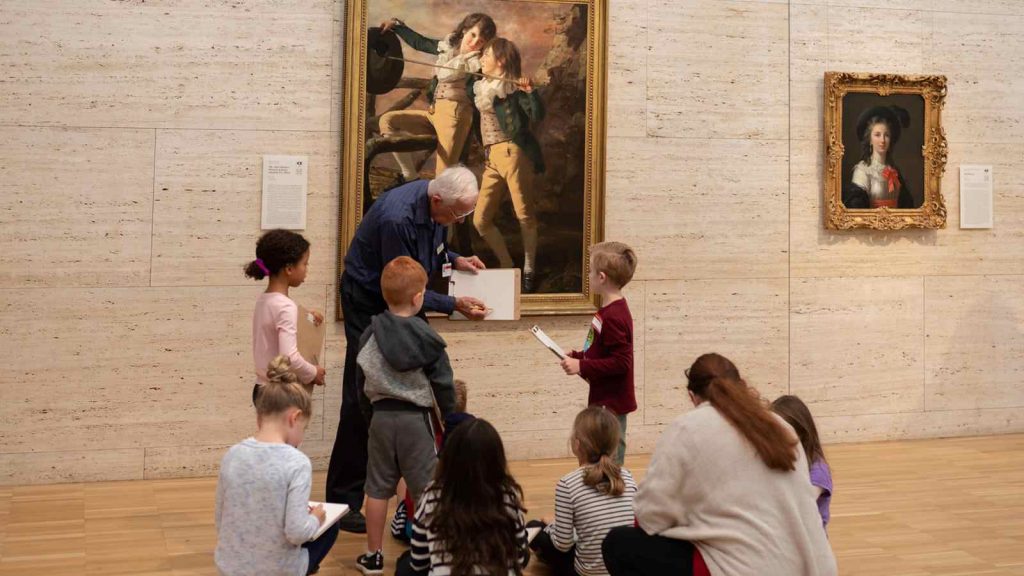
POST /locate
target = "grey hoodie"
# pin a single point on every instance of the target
(404, 359)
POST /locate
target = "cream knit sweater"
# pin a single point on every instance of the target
(707, 485)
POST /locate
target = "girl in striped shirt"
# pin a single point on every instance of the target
(589, 501)
(470, 518)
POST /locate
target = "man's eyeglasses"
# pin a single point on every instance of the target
(458, 217)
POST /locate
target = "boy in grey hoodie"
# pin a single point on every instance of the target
(402, 370)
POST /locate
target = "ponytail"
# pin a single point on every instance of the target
(605, 475)
(596, 433)
(283, 391)
(275, 250)
(716, 379)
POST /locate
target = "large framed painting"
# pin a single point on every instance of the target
(512, 89)
(885, 151)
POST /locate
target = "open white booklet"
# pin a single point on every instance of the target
(548, 342)
(334, 513)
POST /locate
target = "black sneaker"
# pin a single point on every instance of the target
(529, 282)
(371, 563)
(398, 523)
(353, 522)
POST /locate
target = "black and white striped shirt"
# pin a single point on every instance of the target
(590, 514)
(429, 553)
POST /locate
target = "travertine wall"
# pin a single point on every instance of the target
(131, 136)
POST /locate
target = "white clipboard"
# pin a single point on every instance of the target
(548, 342)
(334, 512)
(497, 288)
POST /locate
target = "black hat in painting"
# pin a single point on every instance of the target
(383, 71)
(897, 118)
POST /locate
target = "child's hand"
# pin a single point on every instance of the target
(571, 366)
(318, 318)
(321, 374)
(318, 511)
(547, 520)
(525, 84)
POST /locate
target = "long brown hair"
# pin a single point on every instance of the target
(487, 28)
(507, 54)
(596, 433)
(476, 491)
(715, 378)
(795, 412)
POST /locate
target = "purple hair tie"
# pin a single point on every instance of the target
(263, 266)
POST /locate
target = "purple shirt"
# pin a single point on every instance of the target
(821, 477)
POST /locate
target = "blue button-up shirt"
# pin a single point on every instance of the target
(399, 224)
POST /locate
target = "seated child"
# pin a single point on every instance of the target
(402, 367)
(795, 412)
(264, 522)
(470, 518)
(589, 501)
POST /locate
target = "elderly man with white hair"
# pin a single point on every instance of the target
(410, 220)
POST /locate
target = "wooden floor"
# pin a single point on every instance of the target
(953, 506)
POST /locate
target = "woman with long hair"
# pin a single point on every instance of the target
(726, 492)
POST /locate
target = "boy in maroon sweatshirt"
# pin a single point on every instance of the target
(606, 361)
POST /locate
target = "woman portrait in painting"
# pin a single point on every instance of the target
(876, 181)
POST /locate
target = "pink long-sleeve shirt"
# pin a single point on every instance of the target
(274, 331)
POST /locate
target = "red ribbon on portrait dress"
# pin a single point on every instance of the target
(893, 177)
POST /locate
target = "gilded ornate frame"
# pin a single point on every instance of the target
(932, 213)
(353, 136)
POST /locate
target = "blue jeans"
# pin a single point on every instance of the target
(318, 549)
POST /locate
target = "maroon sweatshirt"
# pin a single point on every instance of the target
(606, 361)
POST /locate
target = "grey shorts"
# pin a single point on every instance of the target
(401, 445)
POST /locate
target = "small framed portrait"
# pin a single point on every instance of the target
(512, 89)
(885, 151)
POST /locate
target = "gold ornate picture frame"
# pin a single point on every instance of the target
(885, 151)
(563, 44)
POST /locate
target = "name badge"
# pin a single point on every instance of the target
(446, 270)
(440, 248)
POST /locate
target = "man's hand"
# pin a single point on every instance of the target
(470, 264)
(471, 308)
(571, 366)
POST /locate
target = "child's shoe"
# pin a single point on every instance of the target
(371, 564)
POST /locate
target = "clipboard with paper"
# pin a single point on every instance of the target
(333, 513)
(548, 342)
(310, 337)
(497, 288)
